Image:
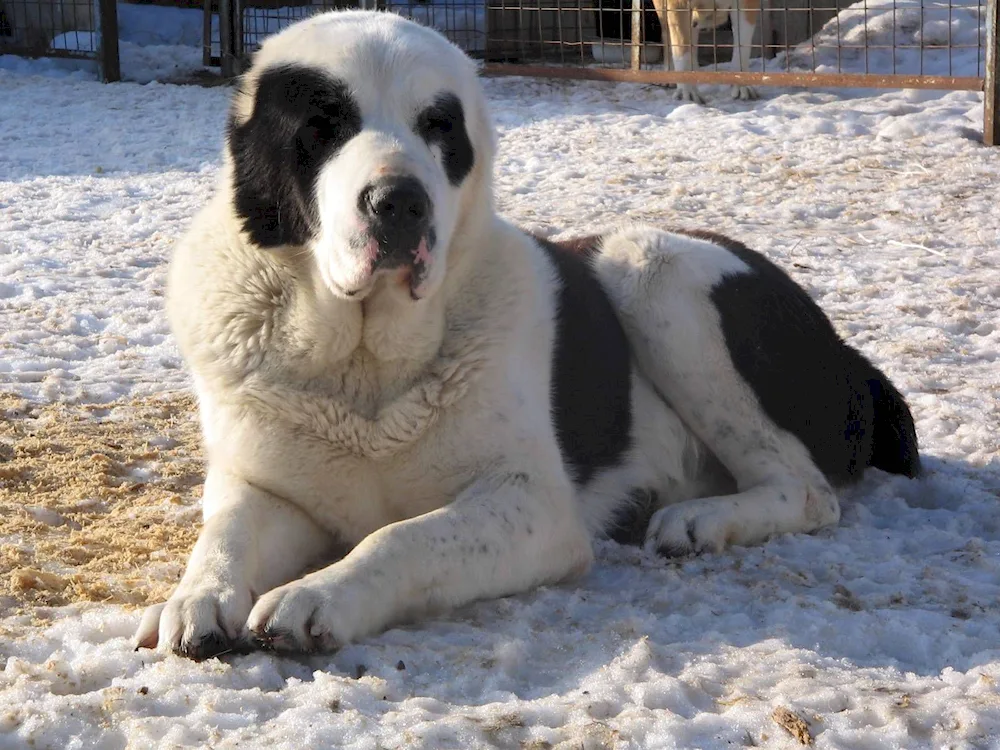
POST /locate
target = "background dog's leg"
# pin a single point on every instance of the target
(505, 534)
(684, 50)
(661, 284)
(250, 543)
(744, 19)
(661, 9)
(677, 21)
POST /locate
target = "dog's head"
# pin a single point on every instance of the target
(363, 138)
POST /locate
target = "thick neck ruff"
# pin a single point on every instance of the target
(397, 425)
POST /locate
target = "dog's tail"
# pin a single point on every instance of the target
(894, 436)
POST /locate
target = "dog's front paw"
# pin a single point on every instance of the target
(745, 93)
(299, 616)
(688, 93)
(199, 623)
(690, 527)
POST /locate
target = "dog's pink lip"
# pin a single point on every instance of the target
(371, 251)
(423, 253)
(422, 261)
(412, 275)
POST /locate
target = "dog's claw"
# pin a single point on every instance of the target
(211, 645)
(745, 93)
(688, 93)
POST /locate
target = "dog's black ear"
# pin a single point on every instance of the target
(300, 118)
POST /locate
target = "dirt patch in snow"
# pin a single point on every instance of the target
(97, 502)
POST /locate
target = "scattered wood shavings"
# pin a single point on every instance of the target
(794, 724)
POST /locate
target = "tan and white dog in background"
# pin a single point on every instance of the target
(409, 404)
(685, 19)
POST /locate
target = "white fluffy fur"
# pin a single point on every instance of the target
(416, 435)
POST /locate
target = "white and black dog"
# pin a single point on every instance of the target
(424, 406)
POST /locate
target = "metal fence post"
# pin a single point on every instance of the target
(239, 42)
(108, 63)
(991, 86)
(225, 39)
(637, 25)
(230, 36)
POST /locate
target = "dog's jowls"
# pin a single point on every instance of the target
(407, 395)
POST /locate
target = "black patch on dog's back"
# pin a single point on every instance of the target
(808, 381)
(443, 125)
(300, 118)
(591, 370)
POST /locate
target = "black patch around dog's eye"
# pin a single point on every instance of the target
(300, 118)
(443, 125)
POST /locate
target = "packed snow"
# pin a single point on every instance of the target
(881, 632)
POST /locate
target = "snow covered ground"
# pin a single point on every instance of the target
(927, 37)
(882, 632)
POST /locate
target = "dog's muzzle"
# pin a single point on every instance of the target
(398, 211)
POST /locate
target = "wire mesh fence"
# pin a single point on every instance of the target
(465, 22)
(75, 29)
(947, 44)
(944, 44)
(884, 37)
(931, 38)
(65, 27)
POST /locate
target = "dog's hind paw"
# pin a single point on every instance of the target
(687, 528)
(745, 93)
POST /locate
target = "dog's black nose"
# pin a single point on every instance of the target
(398, 210)
(399, 203)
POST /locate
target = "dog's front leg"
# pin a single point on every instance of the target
(251, 542)
(503, 535)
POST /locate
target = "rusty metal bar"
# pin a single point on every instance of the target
(636, 35)
(833, 80)
(991, 86)
(108, 61)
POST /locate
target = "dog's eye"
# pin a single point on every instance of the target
(442, 125)
(311, 134)
(432, 121)
(322, 131)
(310, 138)
(323, 127)
(435, 120)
